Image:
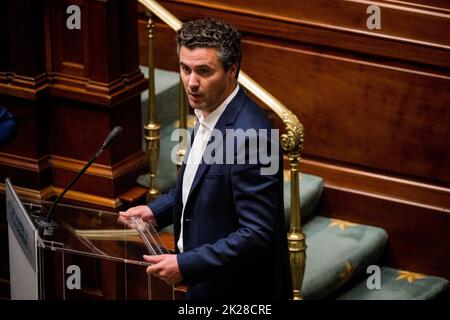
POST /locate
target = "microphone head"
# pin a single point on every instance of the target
(112, 137)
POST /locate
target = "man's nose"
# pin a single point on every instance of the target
(193, 82)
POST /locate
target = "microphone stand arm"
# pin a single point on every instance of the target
(46, 222)
(50, 211)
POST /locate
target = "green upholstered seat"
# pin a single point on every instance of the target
(398, 285)
(337, 251)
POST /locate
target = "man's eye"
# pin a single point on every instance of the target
(185, 69)
(204, 72)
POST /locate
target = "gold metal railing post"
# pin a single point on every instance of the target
(152, 129)
(296, 237)
(292, 142)
(183, 125)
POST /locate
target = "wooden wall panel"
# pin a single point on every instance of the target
(4, 266)
(25, 55)
(22, 72)
(91, 64)
(68, 46)
(404, 119)
(405, 103)
(3, 35)
(397, 20)
(316, 29)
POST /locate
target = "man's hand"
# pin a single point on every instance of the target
(143, 212)
(164, 266)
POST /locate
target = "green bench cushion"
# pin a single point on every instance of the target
(398, 285)
(338, 251)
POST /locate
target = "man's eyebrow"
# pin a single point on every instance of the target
(196, 67)
(203, 66)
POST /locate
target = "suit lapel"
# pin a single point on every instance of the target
(226, 119)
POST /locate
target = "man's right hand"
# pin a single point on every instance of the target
(144, 212)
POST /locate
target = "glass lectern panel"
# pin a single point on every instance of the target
(107, 253)
(98, 233)
(88, 254)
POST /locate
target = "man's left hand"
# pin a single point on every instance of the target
(165, 266)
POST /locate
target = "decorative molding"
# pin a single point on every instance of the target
(30, 164)
(105, 94)
(88, 198)
(31, 194)
(16, 85)
(403, 5)
(108, 172)
(128, 85)
(44, 194)
(400, 189)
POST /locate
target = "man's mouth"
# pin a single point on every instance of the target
(195, 96)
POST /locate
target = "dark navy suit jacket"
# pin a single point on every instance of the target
(234, 237)
(7, 125)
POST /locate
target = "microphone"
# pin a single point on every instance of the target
(111, 138)
(46, 222)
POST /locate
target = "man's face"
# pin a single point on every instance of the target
(205, 80)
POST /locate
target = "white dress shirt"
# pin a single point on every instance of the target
(206, 125)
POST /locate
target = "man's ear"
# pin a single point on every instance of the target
(233, 70)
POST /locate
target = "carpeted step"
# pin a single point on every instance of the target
(398, 285)
(311, 188)
(338, 251)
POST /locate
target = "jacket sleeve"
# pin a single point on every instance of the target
(162, 209)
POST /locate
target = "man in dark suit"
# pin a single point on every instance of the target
(227, 212)
(7, 125)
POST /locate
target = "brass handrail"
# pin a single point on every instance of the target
(291, 142)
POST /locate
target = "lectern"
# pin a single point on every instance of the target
(86, 246)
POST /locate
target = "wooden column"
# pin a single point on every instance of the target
(96, 83)
(22, 91)
(67, 90)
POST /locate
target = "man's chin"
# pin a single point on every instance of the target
(196, 106)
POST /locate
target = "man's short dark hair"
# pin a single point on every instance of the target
(213, 33)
